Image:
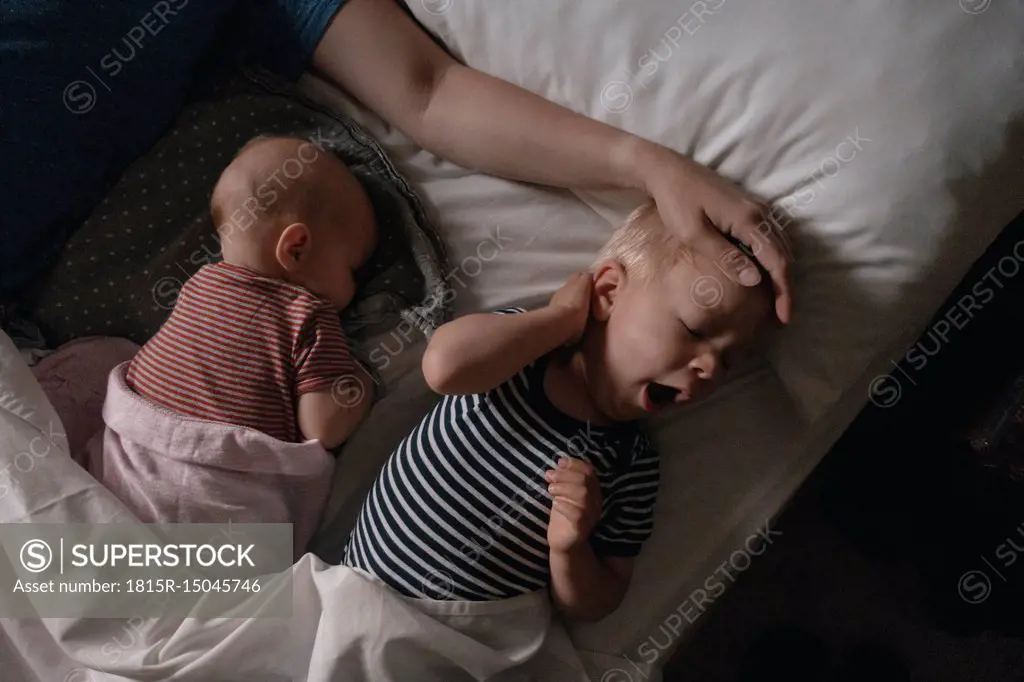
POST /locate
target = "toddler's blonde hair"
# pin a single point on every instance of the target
(643, 246)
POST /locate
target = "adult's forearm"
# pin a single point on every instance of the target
(490, 125)
(379, 55)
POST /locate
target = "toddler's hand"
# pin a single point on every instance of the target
(574, 299)
(576, 506)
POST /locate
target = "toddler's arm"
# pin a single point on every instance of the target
(584, 586)
(476, 353)
(592, 539)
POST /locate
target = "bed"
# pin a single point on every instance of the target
(888, 139)
(892, 162)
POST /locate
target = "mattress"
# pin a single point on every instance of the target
(760, 91)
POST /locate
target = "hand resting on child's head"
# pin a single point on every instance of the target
(532, 472)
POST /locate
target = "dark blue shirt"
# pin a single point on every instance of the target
(86, 86)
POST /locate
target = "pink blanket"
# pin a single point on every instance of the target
(74, 378)
(168, 468)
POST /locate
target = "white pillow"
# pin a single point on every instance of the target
(874, 127)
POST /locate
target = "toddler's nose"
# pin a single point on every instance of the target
(707, 366)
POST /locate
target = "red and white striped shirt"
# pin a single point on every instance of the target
(241, 348)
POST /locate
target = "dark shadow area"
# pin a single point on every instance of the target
(902, 558)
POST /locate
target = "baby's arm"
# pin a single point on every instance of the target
(334, 393)
(476, 353)
(331, 416)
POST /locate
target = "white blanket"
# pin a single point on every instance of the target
(344, 626)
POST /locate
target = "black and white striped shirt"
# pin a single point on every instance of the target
(460, 510)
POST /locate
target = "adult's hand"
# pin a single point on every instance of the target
(379, 55)
(701, 206)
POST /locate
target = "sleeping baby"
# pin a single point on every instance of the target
(227, 413)
(255, 340)
(531, 473)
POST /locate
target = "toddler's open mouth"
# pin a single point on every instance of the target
(657, 396)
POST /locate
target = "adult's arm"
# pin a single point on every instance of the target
(377, 53)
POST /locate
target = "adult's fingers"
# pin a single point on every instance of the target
(713, 245)
(757, 235)
(770, 246)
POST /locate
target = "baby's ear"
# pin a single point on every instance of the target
(294, 246)
(609, 277)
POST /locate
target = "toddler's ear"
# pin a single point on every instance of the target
(294, 246)
(609, 276)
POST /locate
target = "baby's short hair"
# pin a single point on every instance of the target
(241, 184)
(643, 246)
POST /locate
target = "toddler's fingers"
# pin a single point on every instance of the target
(565, 476)
(573, 464)
(567, 509)
(571, 492)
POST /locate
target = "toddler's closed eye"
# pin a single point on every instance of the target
(696, 335)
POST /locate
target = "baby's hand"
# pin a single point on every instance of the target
(576, 506)
(574, 299)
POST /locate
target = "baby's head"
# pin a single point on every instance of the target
(291, 210)
(666, 323)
